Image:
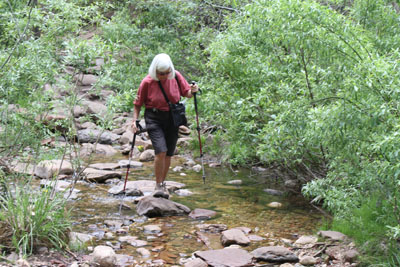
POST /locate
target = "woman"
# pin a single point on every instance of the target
(159, 124)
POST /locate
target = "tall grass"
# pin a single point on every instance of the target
(31, 217)
(367, 226)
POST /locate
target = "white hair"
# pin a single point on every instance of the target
(161, 62)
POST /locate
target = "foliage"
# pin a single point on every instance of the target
(298, 83)
(366, 225)
(34, 218)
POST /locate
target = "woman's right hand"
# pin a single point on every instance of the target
(134, 127)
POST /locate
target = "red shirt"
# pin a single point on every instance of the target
(151, 96)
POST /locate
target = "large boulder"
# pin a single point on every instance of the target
(228, 257)
(158, 207)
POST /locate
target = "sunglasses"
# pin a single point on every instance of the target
(163, 73)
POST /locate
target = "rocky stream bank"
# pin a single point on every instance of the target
(135, 236)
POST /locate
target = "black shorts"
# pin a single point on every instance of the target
(162, 132)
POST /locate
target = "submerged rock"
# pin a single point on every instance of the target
(202, 214)
(158, 207)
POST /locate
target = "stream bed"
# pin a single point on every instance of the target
(244, 205)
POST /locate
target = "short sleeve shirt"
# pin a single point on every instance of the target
(151, 96)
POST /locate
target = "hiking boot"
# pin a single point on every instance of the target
(160, 191)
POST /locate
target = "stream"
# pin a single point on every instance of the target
(242, 205)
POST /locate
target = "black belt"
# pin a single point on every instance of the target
(155, 110)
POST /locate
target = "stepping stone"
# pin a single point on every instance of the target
(159, 207)
(274, 254)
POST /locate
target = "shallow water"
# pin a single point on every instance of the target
(244, 205)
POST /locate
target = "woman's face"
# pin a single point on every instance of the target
(163, 75)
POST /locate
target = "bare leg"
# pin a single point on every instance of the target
(159, 167)
(167, 163)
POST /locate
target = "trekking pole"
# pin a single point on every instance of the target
(141, 130)
(198, 133)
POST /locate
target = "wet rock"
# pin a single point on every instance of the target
(234, 236)
(183, 192)
(105, 166)
(212, 228)
(274, 205)
(274, 254)
(273, 192)
(229, 257)
(202, 214)
(147, 155)
(48, 168)
(235, 182)
(98, 149)
(333, 235)
(156, 207)
(197, 262)
(100, 176)
(104, 256)
(96, 136)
